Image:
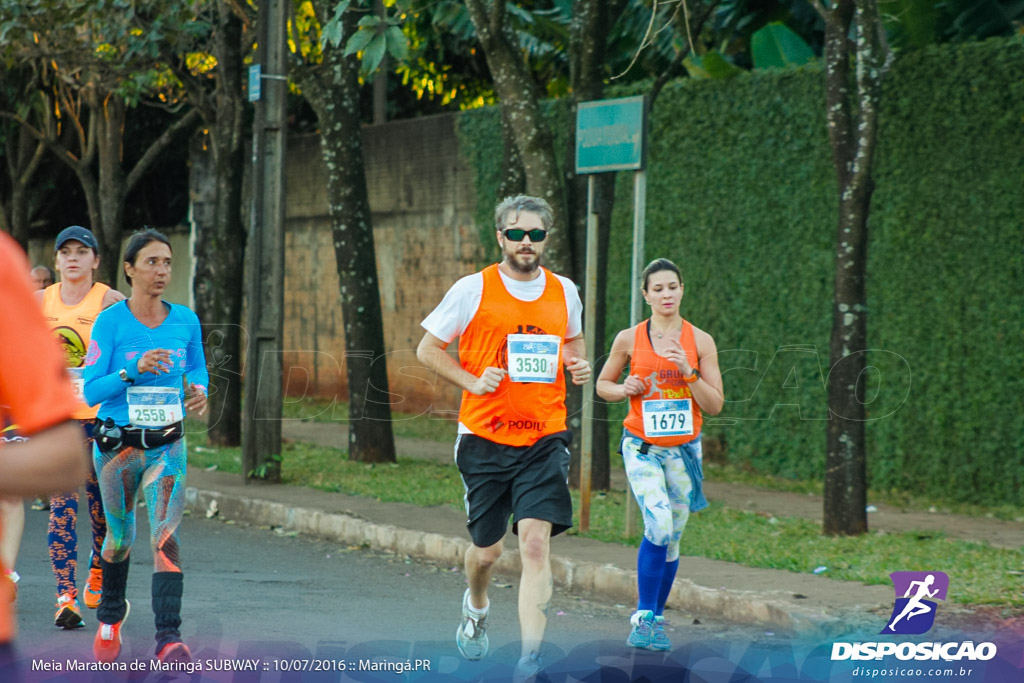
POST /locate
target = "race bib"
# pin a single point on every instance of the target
(533, 357)
(668, 417)
(154, 406)
(78, 382)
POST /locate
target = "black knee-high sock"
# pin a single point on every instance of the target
(167, 588)
(112, 605)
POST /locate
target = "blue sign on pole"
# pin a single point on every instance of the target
(610, 135)
(255, 71)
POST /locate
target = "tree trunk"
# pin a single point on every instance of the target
(111, 187)
(520, 100)
(24, 155)
(220, 240)
(106, 191)
(853, 122)
(332, 89)
(591, 21)
(513, 175)
(600, 472)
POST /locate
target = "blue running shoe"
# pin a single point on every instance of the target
(660, 640)
(643, 629)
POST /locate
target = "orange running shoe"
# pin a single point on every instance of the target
(13, 577)
(69, 613)
(107, 644)
(94, 588)
(174, 653)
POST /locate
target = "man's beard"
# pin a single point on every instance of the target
(510, 259)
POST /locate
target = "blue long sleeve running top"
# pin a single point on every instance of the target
(119, 339)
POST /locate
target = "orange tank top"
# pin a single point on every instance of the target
(517, 413)
(666, 414)
(72, 326)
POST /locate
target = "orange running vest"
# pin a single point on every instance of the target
(72, 326)
(517, 413)
(663, 380)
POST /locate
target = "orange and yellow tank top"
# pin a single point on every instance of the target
(72, 325)
(666, 414)
(526, 338)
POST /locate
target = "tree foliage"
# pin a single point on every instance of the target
(329, 79)
(94, 61)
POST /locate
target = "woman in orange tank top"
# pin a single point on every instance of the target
(673, 379)
(70, 307)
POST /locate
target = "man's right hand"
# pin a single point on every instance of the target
(487, 382)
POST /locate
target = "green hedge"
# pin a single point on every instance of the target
(742, 195)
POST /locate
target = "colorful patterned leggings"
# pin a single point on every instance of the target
(662, 489)
(160, 473)
(62, 535)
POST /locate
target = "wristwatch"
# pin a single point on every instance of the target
(692, 378)
(123, 374)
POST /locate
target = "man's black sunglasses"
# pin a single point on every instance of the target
(517, 234)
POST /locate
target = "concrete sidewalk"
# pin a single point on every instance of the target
(778, 600)
(999, 533)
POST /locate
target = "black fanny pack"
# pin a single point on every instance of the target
(110, 437)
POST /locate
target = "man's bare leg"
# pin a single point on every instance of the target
(479, 567)
(535, 585)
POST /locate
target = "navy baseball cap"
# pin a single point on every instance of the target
(76, 232)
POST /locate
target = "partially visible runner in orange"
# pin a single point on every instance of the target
(36, 395)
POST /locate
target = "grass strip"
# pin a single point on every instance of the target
(979, 573)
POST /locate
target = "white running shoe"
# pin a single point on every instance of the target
(471, 638)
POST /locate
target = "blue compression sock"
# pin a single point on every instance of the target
(650, 566)
(667, 578)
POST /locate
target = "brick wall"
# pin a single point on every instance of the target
(423, 204)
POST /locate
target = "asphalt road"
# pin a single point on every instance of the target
(259, 598)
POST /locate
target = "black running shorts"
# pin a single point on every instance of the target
(527, 482)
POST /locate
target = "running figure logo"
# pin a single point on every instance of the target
(913, 613)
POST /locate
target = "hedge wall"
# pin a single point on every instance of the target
(742, 195)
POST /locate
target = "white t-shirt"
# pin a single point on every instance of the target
(453, 315)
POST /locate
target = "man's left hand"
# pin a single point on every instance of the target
(579, 368)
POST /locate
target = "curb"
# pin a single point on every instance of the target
(588, 578)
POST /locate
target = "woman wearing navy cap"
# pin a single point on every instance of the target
(71, 307)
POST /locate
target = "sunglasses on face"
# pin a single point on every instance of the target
(517, 234)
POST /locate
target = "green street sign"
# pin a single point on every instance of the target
(610, 135)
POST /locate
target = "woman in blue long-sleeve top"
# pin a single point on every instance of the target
(146, 369)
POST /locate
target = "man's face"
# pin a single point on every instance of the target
(523, 256)
(41, 278)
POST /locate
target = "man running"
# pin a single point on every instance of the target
(518, 324)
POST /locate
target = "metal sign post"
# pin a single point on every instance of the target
(610, 136)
